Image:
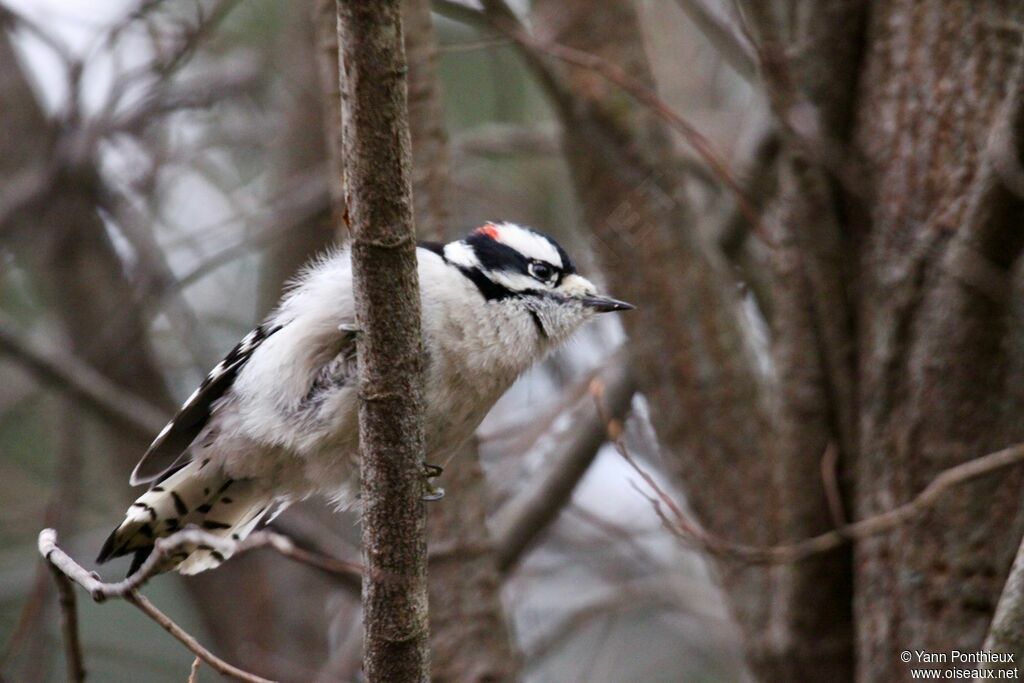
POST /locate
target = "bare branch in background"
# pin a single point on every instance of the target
(189, 641)
(502, 139)
(325, 19)
(724, 38)
(689, 345)
(79, 380)
(504, 20)
(787, 553)
(522, 519)
(430, 154)
(73, 659)
(469, 633)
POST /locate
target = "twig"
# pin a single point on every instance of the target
(505, 21)
(193, 674)
(473, 45)
(526, 516)
(66, 569)
(830, 480)
(78, 379)
(316, 538)
(29, 618)
(796, 551)
(186, 639)
(166, 547)
(733, 50)
(69, 626)
(498, 139)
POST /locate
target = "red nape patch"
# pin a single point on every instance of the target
(489, 229)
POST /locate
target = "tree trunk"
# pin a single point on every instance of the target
(937, 383)
(469, 635)
(814, 391)
(378, 190)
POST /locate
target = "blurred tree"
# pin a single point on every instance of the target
(57, 234)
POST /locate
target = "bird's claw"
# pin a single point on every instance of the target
(430, 490)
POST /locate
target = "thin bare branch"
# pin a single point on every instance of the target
(79, 380)
(526, 516)
(684, 528)
(66, 570)
(505, 21)
(193, 674)
(74, 661)
(189, 641)
(501, 139)
(734, 51)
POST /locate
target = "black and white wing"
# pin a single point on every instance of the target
(175, 438)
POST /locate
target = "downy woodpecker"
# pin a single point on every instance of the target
(276, 420)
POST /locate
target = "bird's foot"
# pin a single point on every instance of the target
(430, 490)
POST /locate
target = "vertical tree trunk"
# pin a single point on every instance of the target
(934, 318)
(303, 153)
(814, 391)
(379, 198)
(470, 638)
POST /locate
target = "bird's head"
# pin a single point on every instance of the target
(526, 269)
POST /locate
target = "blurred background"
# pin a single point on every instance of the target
(783, 188)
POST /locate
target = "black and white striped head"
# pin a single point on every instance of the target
(524, 267)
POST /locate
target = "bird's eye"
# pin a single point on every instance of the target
(542, 271)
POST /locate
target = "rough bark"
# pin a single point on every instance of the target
(812, 344)
(378, 162)
(813, 615)
(704, 395)
(934, 319)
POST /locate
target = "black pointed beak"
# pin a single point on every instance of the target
(603, 304)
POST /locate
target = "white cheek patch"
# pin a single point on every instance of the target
(529, 244)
